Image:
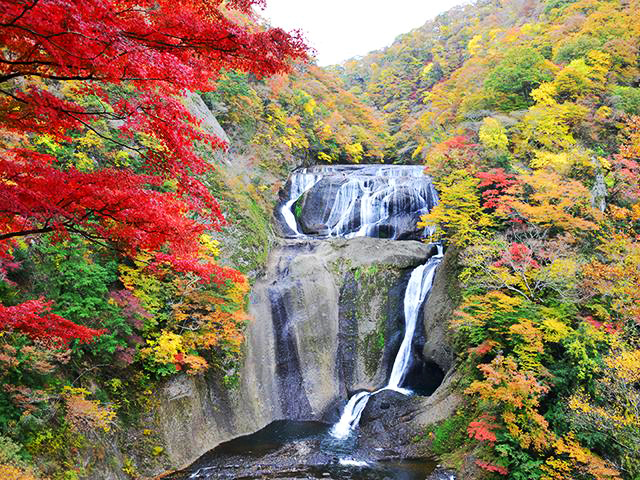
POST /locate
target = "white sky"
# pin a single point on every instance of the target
(341, 29)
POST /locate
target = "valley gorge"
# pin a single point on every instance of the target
(221, 260)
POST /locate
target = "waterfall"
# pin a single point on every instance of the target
(418, 288)
(300, 182)
(349, 201)
(358, 201)
(319, 203)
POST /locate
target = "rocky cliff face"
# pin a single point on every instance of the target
(325, 322)
(391, 420)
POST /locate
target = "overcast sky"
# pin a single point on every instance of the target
(341, 29)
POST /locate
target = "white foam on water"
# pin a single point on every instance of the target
(369, 197)
(351, 462)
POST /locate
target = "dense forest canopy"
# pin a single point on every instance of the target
(106, 211)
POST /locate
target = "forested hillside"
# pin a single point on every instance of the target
(526, 115)
(113, 191)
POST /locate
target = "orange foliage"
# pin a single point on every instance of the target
(84, 414)
(517, 395)
(616, 279)
(209, 320)
(551, 201)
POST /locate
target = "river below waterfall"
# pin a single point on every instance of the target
(293, 449)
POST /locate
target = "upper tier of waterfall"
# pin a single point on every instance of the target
(384, 201)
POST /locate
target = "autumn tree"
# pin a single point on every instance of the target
(459, 214)
(520, 71)
(117, 72)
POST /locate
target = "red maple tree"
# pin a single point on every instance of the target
(155, 51)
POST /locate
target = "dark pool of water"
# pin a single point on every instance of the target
(270, 438)
(299, 450)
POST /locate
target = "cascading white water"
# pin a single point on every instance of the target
(343, 201)
(351, 414)
(417, 289)
(419, 286)
(369, 200)
(300, 182)
(366, 200)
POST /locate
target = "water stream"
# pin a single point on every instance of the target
(349, 201)
(418, 288)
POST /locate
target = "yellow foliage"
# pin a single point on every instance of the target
(209, 246)
(355, 152)
(626, 365)
(83, 162)
(475, 45)
(553, 201)
(48, 142)
(84, 414)
(545, 94)
(165, 349)
(427, 69)
(323, 157)
(493, 135)
(417, 151)
(573, 80)
(148, 288)
(122, 158)
(459, 212)
(9, 472)
(310, 106)
(600, 66)
(478, 309)
(580, 403)
(529, 345)
(575, 458)
(90, 139)
(555, 330)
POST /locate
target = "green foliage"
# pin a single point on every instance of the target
(627, 99)
(450, 435)
(521, 464)
(520, 71)
(58, 446)
(78, 282)
(11, 453)
(575, 48)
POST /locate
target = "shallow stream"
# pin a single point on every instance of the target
(298, 450)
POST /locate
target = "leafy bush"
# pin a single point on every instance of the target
(78, 281)
(450, 434)
(627, 99)
(520, 71)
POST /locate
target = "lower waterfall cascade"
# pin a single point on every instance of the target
(418, 288)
